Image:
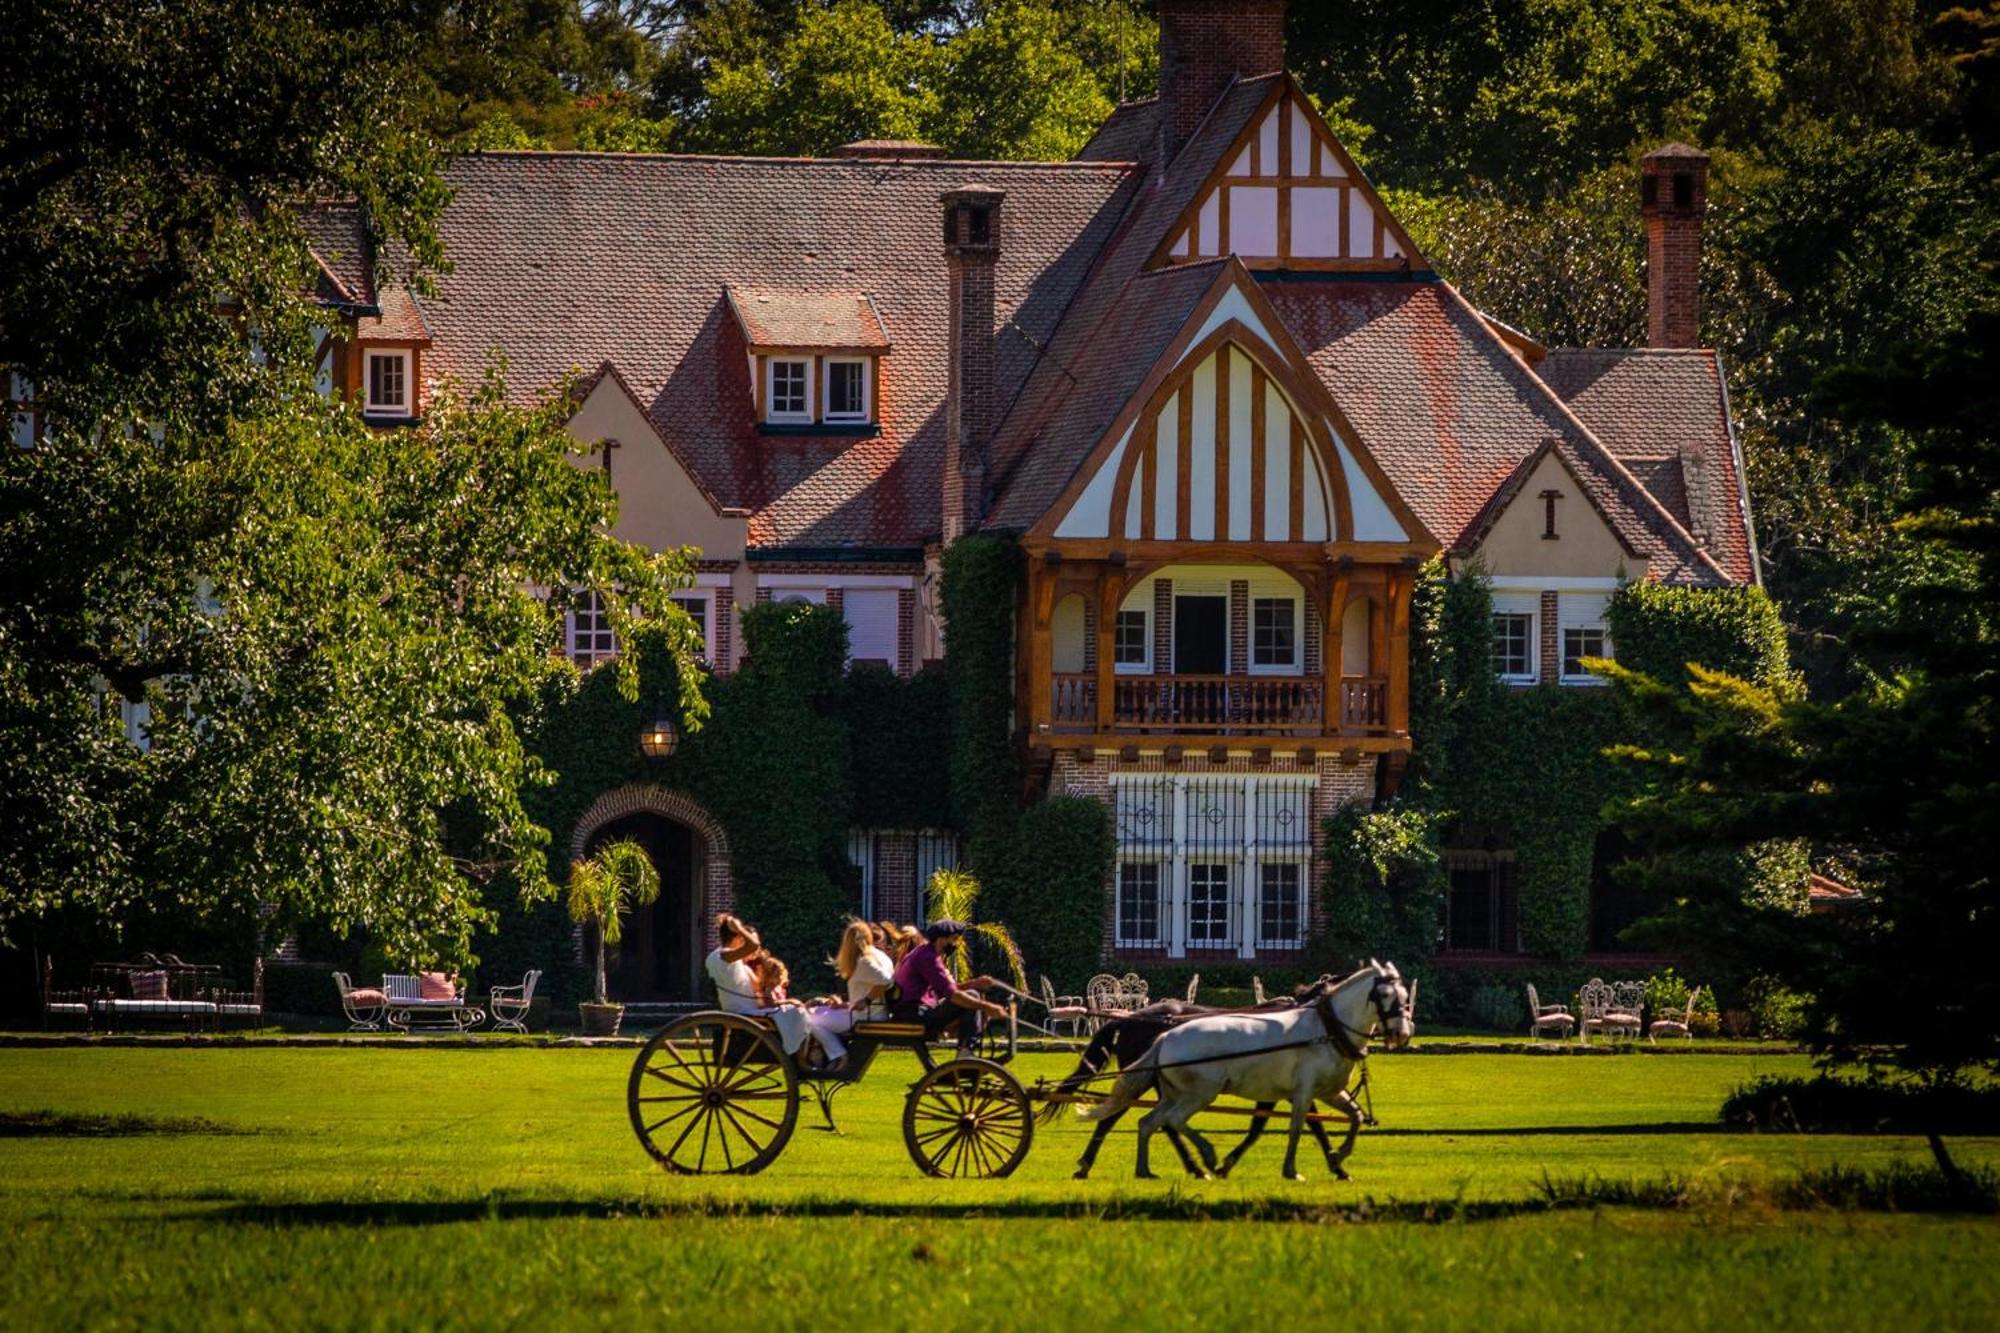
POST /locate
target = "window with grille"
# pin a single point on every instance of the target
(789, 400)
(1274, 632)
(1280, 905)
(1514, 645)
(388, 383)
(1133, 646)
(1139, 905)
(1579, 642)
(847, 391)
(590, 638)
(1482, 910)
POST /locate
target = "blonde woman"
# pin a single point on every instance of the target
(867, 972)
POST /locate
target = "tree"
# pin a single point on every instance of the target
(602, 889)
(1897, 780)
(255, 654)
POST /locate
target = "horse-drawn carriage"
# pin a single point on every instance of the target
(715, 1092)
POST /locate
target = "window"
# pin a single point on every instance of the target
(1274, 632)
(874, 626)
(935, 851)
(1583, 634)
(21, 408)
(1280, 906)
(1514, 645)
(1134, 642)
(696, 605)
(847, 391)
(1482, 912)
(789, 397)
(590, 638)
(388, 384)
(1579, 643)
(1139, 905)
(1208, 906)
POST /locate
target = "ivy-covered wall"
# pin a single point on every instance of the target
(1526, 769)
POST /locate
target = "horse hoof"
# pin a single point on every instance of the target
(1144, 1175)
(1082, 1173)
(1340, 1174)
(1293, 1175)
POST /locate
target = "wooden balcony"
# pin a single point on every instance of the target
(1226, 705)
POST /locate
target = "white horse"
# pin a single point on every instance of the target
(1302, 1055)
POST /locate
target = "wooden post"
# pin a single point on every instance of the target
(1041, 656)
(1332, 649)
(1110, 592)
(1401, 584)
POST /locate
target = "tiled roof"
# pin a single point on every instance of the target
(338, 236)
(1450, 413)
(1028, 477)
(1129, 134)
(568, 260)
(1666, 413)
(807, 319)
(400, 319)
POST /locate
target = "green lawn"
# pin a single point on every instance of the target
(477, 1188)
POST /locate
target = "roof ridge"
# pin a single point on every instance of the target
(751, 159)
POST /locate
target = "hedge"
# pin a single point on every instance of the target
(1049, 887)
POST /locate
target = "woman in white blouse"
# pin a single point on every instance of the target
(867, 972)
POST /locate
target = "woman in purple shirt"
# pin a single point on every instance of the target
(932, 997)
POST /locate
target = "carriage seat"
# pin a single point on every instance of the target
(886, 1027)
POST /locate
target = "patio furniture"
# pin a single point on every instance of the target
(157, 986)
(1194, 984)
(1062, 1009)
(1257, 990)
(510, 1004)
(59, 1002)
(245, 1004)
(1629, 997)
(1682, 1026)
(429, 996)
(1133, 992)
(362, 1007)
(1101, 997)
(1556, 1017)
(1598, 1003)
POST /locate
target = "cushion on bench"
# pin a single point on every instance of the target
(435, 986)
(149, 985)
(371, 995)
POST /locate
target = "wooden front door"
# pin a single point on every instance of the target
(1201, 636)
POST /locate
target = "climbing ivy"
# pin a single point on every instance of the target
(1385, 887)
(1049, 884)
(981, 576)
(1659, 630)
(899, 731)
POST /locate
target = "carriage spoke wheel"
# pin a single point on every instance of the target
(713, 1093)
(967, 1119)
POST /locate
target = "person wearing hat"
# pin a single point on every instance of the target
(931, 996)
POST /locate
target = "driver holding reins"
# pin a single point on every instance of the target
(931, 996)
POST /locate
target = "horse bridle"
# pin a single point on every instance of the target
(1352, 1041)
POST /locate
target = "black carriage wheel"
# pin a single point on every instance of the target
(713, 1093)
(968, 1119)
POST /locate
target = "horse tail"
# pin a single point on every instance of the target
(1091, 1063)
(1139, 1076)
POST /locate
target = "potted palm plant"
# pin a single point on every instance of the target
(602, 889)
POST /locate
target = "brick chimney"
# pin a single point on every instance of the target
(971, 249)
(1673, 198)
(1203, 45)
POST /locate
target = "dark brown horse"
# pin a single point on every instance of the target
(1124, 1040)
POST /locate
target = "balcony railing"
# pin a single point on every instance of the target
(1364, 703)
(1239, 704)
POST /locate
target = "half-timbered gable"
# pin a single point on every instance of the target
(1287, 195)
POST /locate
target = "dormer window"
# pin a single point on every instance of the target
(387, 384)
(788, 393)
(847, 389)
(815, 359)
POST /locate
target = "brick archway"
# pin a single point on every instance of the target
(718, 888)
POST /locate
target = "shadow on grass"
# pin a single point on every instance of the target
(1648, 1129)
(1899, 1188)
(62, 1125)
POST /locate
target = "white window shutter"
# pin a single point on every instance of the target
(871, 625)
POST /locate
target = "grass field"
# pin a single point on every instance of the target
(374, 1187)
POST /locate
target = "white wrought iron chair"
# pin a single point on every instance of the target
(363, 1008)
(1063, 1009)
(1257, 990)
(1194, 984)
(1102, 998)
(1682, 1026)
(1601, 1011)
(509, 1004)
(1133, 991)
(1552, 1016)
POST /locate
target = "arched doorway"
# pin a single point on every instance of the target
(659, 957)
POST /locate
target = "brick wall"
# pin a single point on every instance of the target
(1163, 626)
(895, 876)
(906, 631)
(1203, 45)
(725, 628)
(1551, 637)
(1239, 627)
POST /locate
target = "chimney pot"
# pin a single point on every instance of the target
(973, 231)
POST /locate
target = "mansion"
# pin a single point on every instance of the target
(1200, 373)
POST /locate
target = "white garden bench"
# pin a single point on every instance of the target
(404, 1002)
